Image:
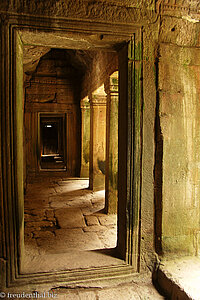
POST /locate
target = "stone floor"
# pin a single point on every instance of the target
(63, 218)
(66, 229)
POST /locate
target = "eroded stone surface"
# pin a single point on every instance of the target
(179, 127)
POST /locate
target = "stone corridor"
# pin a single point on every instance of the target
(62, 218)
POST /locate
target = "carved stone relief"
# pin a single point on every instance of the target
(117, 11)
(111, 11)
(189, 6)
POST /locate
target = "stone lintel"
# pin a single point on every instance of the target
(98, 101)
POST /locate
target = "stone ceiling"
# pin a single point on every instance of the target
(31, 57)
(78, 59)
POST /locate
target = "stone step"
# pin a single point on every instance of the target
(179, 278)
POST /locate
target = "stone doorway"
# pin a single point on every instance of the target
(51, 143)
(61, 214)
(128, 224)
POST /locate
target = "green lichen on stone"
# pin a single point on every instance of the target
(86, 152)
(138, 95)
(113, 171)
(138, 51)
(183, 244)
(115, 81)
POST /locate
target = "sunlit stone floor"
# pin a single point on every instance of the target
(65, 227)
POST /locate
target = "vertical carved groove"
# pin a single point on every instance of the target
(141, 151)
(158, 170)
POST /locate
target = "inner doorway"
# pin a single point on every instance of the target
(51, 143)
(63, 218)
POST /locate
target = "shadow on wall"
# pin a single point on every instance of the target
(102, 166)
(158, 172)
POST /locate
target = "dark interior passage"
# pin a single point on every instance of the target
(49, 138)
(51, 143)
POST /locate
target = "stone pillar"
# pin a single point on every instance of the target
(111, 182)
(97, 139)
(85, 137)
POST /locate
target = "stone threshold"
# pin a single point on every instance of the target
(179, 278)
(124, 285)
(78, 277)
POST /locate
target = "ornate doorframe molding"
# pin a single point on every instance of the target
(12, 205)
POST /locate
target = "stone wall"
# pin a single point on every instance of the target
(102, 66)
(179, 118)
(177, 191)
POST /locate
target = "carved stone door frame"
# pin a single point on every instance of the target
(130, 149)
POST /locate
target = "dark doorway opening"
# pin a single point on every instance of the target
(49, 138)
(51, 143)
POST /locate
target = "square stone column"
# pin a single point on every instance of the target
(111, 183)
(97, 139)
(85, 137)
